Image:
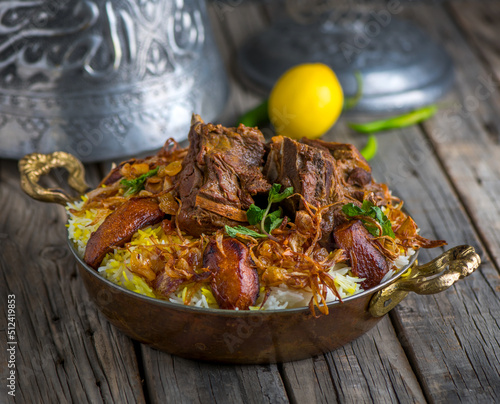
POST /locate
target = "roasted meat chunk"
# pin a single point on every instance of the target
(326, 174)
(220, 175)
(365, 259)
(235, 282)
(119, 226)
(311, 172)
(323, 172)
(355, 175)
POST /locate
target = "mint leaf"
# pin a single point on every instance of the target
(275, 190)
(137, 184)
(379, 215)
(234, 231)
(367, 205)
(274, 224)
(370, 210)
(254, 214)
(257, 216)
(275, 196)
(352, 210)
(273, 220)
(387, 229)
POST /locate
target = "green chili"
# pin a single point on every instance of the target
(401, 121)
(257, 116)
(351, 102)
(370, 149)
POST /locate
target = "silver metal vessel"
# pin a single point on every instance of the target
(104, 79)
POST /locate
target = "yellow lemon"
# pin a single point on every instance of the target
(305, 101)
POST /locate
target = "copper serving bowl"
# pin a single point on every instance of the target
(250, 337)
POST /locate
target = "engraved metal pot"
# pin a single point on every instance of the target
(104, 79)
(233, 336)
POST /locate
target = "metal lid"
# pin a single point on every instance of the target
(401, 66)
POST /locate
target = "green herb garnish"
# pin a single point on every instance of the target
(370, 210)
(270, 221)
(273, 220)
(275, 196)
(254, 214)
(234, 231)
(135, 185)
(257, 216)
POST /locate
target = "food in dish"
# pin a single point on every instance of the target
(233, 222)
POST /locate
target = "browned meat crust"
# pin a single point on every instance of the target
(311, 172)
(220, 176)
(355, 172)
(119, 226)
(366, 260)
(235, 283)
(326, 174)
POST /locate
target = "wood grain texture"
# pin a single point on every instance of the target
(309, 380)
(434, 328)
(66, 351)
(465, 138)
(373, 368)
(478, 23)
(441, 348)
(170, 379)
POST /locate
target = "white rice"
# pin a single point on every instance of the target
(115, 267)
(81, 228)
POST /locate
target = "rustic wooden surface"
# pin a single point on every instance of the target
(440, 348)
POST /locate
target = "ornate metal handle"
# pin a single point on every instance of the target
(433, 277)
(34, 165)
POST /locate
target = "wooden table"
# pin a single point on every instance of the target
(439, 348)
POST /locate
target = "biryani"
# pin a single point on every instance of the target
(232, 222)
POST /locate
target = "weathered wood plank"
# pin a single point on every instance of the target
(373, 368)
(66, 351)
(466, 138)
(171, 379)
(441, 333)
(309, 380)
(478, 22)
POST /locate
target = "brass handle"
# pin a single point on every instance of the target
(433, 277)
(34, 165)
